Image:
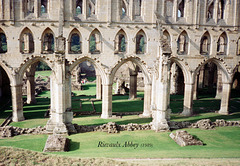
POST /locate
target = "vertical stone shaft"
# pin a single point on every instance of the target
(188, 99)
(225, 100)
(147, 100)
(31, 89)
(17, 103)
(107, 101)
(98, 87)
(219, 85)
(133, 86)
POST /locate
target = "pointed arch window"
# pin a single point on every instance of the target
(44, 7)
(222, 44)
(26, 42)
(205, 44)
(95, 42)
(75, 43)
(181, 6)
(91, 5)
(183, 43)
(221, 9)
(141, 43)
(3, 43)
(120, 43)
(79, 7)
(47, 42)
(210, 7)
(124, 14)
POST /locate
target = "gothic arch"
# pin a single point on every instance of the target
(48, 41)
(29, 62)
(185, 69)
(3, 42)
(183, 43)
(96, 64)
(141, 42)
(166, 35)
(78, 45)
(120, 42)
(135, 60)
(222, 44)
(95, 42)
(205, 44)
(26, 41)
(8, 71)
(220, 64)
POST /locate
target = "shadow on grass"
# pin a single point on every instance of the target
(74, 146)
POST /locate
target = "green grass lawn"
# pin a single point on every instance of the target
(220, 142)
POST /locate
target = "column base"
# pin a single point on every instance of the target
(223, 112)
(159, 122)
(18, 116)
(218, 96)
(32, 102)
(103, 116)
(18, 119)
(160, 126)
(145, 115)
(187, 112)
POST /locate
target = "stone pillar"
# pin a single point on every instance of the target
(17, 103)
(60, 115)
(195, 89)
(215, 11)
(98, 87)
(225, 100)
(201, 78)
(147, 100)
(107, 101)
(174, 76)
(188, 99)
(31, 89)
(160, 114)
(219, 85)
(37, 6)
(133, 85)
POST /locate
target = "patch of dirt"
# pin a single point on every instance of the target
(15, 156)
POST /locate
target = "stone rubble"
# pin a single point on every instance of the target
(183, 138)
(11, 131)
(112, 127)
(56, 143)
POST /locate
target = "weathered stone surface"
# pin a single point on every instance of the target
(10, 131)
(56, 143)
(183, 138)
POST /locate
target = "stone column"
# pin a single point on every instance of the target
(175, 10)
(224, 110)
(160, 114)
(37, 6)
(31, 89)
(188, 99)
(61, 115)
(17, 103)
(107, 101)
(147, 100)
(195, 89)
(174, 75)
(201, 78)
(133, 85)
(219, 85)
(215, 11)
(98, 87)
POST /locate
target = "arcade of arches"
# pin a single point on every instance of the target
(179, 46)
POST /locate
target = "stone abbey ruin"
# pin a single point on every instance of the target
(178, 45)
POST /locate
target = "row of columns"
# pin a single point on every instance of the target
(191, 88)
